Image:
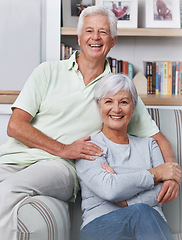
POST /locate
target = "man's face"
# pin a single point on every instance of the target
(95, 39)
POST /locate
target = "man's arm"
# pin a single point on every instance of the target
(19, 127)
(170, 188)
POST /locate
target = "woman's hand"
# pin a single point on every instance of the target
(167, 171)
(108, 169)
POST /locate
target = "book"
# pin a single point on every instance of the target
(149, 77)
(120, 66)
(173, 77)
(130, 70)
(169, 79)
(161, 78)
(153, 77)
(165, 77)
(177, 79)
(113, 65)
(180, 78)
(125, 67)
(157, 78)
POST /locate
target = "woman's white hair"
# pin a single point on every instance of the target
(99, 9)
(112, 83)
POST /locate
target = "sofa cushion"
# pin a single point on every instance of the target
(43, 218)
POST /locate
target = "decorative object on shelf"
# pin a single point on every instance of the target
(71, 10)
(162, 14)
(140, 82)
(126, 11)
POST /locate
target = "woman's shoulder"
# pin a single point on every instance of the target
(98, 139)
(143, 140)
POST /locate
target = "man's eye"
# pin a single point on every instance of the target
(103, 32)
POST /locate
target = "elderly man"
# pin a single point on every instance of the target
(53, 118)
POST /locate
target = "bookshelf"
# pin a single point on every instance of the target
(153, 33)
(8, 97)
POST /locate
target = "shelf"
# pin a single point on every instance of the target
(8, 97)
(162, 100)
(137, 32)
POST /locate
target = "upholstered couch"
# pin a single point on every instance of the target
(45, 218)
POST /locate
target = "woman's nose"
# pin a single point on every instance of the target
(116, 108)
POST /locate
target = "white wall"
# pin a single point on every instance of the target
(29, 35)
(5, 113)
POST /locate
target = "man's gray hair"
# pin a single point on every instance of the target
(99, 9)
(112, 83)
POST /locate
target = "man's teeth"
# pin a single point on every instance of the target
(95, 45)
(114, 117)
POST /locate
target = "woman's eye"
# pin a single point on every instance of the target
(124, 102)
(108, 101)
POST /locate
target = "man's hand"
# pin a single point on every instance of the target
(82, 149)
(168, 192)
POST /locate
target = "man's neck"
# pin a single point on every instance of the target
(90, 69)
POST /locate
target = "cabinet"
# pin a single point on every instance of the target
(142, 44)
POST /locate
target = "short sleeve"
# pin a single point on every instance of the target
(33, 91)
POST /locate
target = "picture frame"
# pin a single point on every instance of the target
(71, 10)
(125, 10)
(162, 13)
(181, 13)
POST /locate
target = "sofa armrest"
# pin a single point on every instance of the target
(43, 217)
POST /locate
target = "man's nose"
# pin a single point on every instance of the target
(96, 35)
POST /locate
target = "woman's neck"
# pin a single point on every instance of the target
(119, 137)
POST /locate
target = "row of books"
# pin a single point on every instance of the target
(164, 77)
(121, 66)
(66, 51)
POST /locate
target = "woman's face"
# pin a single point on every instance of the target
(116, 111)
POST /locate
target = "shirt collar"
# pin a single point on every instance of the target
(72, 64)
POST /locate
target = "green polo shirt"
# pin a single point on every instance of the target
(64, 109)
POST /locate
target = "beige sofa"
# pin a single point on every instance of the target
(45, 218)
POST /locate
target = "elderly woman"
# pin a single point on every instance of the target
(119, 201)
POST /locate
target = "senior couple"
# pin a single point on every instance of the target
(50, 128)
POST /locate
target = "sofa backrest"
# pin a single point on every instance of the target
(169, 122)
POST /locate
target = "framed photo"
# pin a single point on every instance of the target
(162, 13)
(126, 11)
(71, 10)
(181, 12)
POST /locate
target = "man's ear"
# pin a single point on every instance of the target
(78, 40)
(114, 41)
